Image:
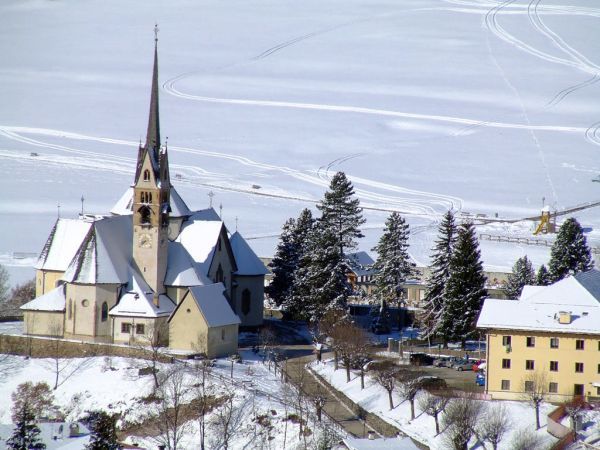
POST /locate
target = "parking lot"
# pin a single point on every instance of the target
(465, 380)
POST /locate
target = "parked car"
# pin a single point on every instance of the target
(476, 364)
(445, 362)
(421, 359)
(463, 364)
(440, 362)
(480, 379)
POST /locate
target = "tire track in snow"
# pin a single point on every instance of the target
(491, 17)
(424, 204)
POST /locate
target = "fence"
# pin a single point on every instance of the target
(525, 241)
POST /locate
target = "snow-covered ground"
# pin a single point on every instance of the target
(375, 399)
(257, 392)
(483, 106)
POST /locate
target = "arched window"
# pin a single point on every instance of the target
(222, 334)
(104, 312)
(70, 313)
(246, 300)
(144, 215)
(146, 175)
(219, 276)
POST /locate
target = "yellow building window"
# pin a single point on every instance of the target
(553, 366)
(529, 364)
(126, 328)
(530, 341)
(506, 340)
(505, 385)
(139, 328)
(529, 386)
(579, 367)
(146, 175)
(579, 344)
(553, 388)
(553, 342)
(506, 363)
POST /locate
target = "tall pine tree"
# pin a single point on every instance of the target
(522, 274)
(542, 277)
(103, 427)
(465, 288)
(341, 213)
(26, 435)
(393, 265)
(321, 282)
(287, 258)
(570, 253)
(440, 271)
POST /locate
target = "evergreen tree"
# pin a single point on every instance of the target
(465, 288)
(543, 276)
(321, 282)
(26, 432)
(440, 271)
(522, 274)
(340, 212)
(283, 265)
(287, 257)
(103, 427)
(570, 253)
(393, 265)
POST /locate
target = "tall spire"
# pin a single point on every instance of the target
(153, 135)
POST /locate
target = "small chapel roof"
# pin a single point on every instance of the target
(53, 300)
(138, 301)
(247, 261)
(200, 237)
(62, 244)
(214, 305)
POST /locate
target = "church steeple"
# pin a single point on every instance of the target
(153, 133)
(151, 198)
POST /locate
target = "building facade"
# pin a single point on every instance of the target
(548, 341)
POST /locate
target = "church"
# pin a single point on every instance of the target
(151, 271)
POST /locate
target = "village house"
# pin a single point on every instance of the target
(547, 340)
(150, 271)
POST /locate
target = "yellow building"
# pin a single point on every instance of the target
(548, 340)
(121, 277)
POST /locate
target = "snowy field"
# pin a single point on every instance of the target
(257, 392)
(482, 106)
(375, 399)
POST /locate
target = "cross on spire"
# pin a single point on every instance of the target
(156, 30)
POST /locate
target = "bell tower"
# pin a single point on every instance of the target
(151, 191)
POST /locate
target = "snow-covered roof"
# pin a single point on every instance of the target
(246, 260)
(105, 255)
(137, 301)
(214, 305)
(53, 300)
(55, 435)
(404, 443)
(199, 237)
(360, 263)
(62, 244)
(206, 214)
(539, 309)
(124, 205)
(181, 269)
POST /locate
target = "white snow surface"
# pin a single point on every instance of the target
(53, 300)
(426, 105)
(199, 237)
(375, 399)
(214, 305)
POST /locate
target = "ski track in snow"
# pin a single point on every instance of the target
(412, 202)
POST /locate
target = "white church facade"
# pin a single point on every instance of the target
(151, 270)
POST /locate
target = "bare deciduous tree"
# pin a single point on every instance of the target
(433, 405)
(350, 343)
(150, 345)
(170, 408)
(525, 439)
(460, 421)
(495, 424)
(331, 320)
(409, 385)
(227, 420)
(535, 391)
(38, 397)
(573, 409)
(385, 375)
(205, 397)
